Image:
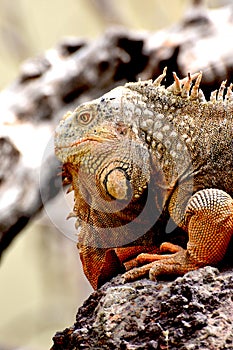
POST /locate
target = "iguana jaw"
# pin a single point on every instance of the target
(113, 156)
(108, 134)
(75, 150)
(78, 148)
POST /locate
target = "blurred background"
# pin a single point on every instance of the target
(41, 279)
(29, 27)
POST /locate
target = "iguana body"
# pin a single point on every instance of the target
(143, 153)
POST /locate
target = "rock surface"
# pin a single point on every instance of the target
(192, 312)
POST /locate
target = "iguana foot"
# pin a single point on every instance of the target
(209, 220)
(166, 247)
(128, 256)
(176, 263)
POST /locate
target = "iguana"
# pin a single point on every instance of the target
(141, 157)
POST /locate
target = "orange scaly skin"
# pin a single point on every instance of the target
(140, 159)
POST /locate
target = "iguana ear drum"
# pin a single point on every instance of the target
(116, 184)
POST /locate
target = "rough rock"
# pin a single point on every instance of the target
(192, 312)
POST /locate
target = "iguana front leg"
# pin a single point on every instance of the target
(209, 219)
(100, 264)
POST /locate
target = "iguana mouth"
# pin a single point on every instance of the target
(86, 140)
(89, 139)
(82, 141)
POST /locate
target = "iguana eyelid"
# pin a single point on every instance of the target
(84, 117)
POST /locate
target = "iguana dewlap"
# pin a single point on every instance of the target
(142, 153)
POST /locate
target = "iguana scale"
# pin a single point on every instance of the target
(142, 154)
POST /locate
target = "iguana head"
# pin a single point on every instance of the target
(102, 143)
(100, 140)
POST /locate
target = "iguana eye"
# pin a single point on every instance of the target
(84, 118)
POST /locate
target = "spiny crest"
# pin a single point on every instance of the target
(217, 95)
(184, 88)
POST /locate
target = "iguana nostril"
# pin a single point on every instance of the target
(122, 129)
